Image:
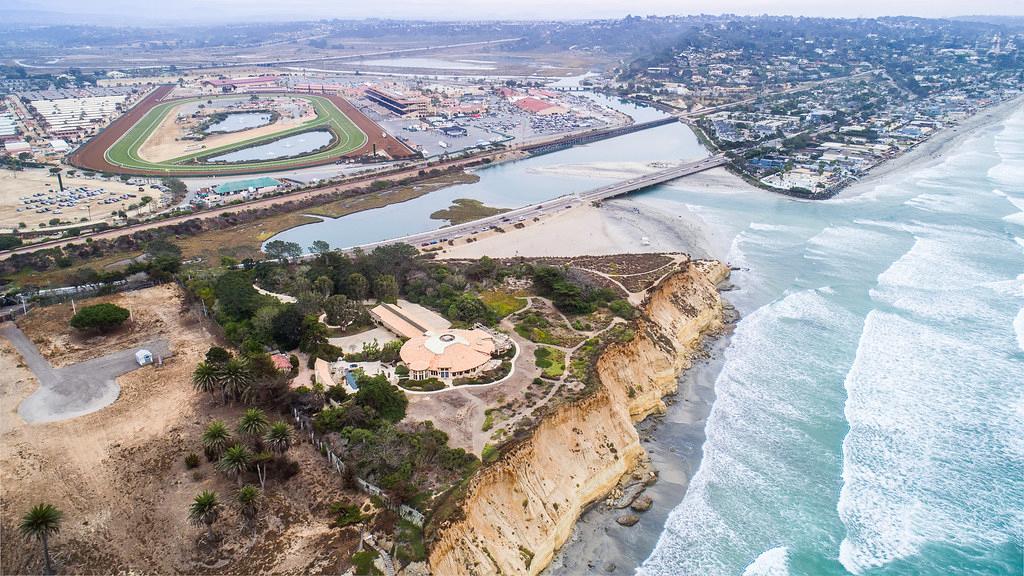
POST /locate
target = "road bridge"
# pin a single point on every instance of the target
(510, 218)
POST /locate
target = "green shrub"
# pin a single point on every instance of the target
(362, 562)
(100, 317)
(192, 460)
(428, 385)
(8, 241)
(622, 309)
(346, 514)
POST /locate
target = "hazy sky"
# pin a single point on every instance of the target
(193, 10)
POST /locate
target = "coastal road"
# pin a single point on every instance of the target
(510, 218)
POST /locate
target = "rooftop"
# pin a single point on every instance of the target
(240, 185)
(453, 350)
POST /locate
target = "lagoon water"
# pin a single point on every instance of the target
(235, 121)
(869, 414)
(431, 63)
(508, 185)
(289, 146)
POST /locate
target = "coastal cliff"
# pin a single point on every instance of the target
(519, 510)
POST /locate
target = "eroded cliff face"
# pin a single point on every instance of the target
(520, 509)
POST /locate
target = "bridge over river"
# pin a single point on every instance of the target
(548, 207)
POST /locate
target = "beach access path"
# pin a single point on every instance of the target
(77, 389)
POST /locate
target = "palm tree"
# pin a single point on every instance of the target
(204, 510)
(235, 378)
(235, 461)
(39, 523)
(216, 439)
(248, 498)
(279, 438)
(253, 423)
(206, 377)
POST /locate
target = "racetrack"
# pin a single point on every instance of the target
(116, 149)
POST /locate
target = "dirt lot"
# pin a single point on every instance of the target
(17, 184)
(119, 477)
(155, 312)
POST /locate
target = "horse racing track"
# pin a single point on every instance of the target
(351, 134)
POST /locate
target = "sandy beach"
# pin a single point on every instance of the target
(931, 150)
(674, 440)
(616, 227)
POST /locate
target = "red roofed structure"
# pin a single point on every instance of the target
(535, 106)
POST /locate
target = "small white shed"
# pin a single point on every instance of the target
(144, 357)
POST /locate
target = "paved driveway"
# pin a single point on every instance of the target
(77, 389)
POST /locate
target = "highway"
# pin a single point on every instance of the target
(510, 218)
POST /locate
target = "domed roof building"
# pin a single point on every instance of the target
(446, 354)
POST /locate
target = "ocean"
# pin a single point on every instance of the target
(869, 412)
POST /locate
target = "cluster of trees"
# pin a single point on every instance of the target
(337, 284)
(250, 377)
(259, 446)
(570, 294)
(409, 461)
(374, 352)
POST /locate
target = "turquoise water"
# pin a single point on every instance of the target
(869, 411)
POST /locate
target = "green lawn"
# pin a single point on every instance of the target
(550, 360)
(347, 137)
(502, 303)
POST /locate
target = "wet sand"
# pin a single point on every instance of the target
(674, 441)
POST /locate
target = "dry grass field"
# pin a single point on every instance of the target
(119, 477)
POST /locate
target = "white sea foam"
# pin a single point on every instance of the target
(1016, 217)
(765, 227)
(706, 535)
(923, 461)
(774, 562)
(940, 261)
(1018, 328)
(932, 202)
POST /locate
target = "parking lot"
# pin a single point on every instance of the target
(32, 197)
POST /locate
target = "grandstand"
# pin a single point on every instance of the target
(396, 102)
(68, 117)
